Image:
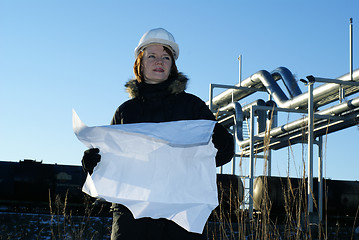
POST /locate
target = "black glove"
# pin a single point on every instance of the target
(224, 142)
(90, 159)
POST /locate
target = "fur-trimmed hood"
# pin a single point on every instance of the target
(175, 87)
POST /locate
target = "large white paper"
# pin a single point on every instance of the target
(157, 170)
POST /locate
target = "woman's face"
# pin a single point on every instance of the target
(156, 64)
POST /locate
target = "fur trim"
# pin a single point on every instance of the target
(176, 87)
(132, 88)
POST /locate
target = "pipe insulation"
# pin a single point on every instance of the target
(322, 95)
(336, 110)
(255, 82)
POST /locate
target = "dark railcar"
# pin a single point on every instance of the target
(340, 197)
(29, 185)
(230, 196)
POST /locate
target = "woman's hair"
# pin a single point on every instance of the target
(137, 67)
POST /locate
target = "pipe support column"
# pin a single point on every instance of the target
(320, 178)
(310, 146)
(251, 164)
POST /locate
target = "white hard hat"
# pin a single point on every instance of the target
(160, 36)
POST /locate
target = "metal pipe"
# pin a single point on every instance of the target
(320, 128)
(240, 69)
(329, 127)
(340, 82)
(210, 97)
(297, 124)
(238, 121)
(288, 80)
(238, 128)
(272, 115)
(272, 87)
(351, 48)
(230, 96)
(252, 82)
(246, 109)
(340, 108)
(320, 94)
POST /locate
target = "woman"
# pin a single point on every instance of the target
(157, 95)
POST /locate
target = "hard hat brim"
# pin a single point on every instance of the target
(153, 41)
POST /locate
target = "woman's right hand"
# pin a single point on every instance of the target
(90, 159)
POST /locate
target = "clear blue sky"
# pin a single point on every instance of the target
(63, 54)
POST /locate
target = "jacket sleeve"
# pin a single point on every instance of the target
(221, 138)
(116, 119)
(224, 143)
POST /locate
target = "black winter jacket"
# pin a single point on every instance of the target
(166, 102)
(163, 102)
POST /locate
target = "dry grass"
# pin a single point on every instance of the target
(230, 221)
(233, 223)
(64, 225)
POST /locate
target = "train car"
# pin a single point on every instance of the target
(230, 196)
(30, 185)
(340, 198)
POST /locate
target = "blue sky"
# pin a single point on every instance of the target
(60, 55)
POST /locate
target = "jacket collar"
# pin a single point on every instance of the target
(177, 86)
